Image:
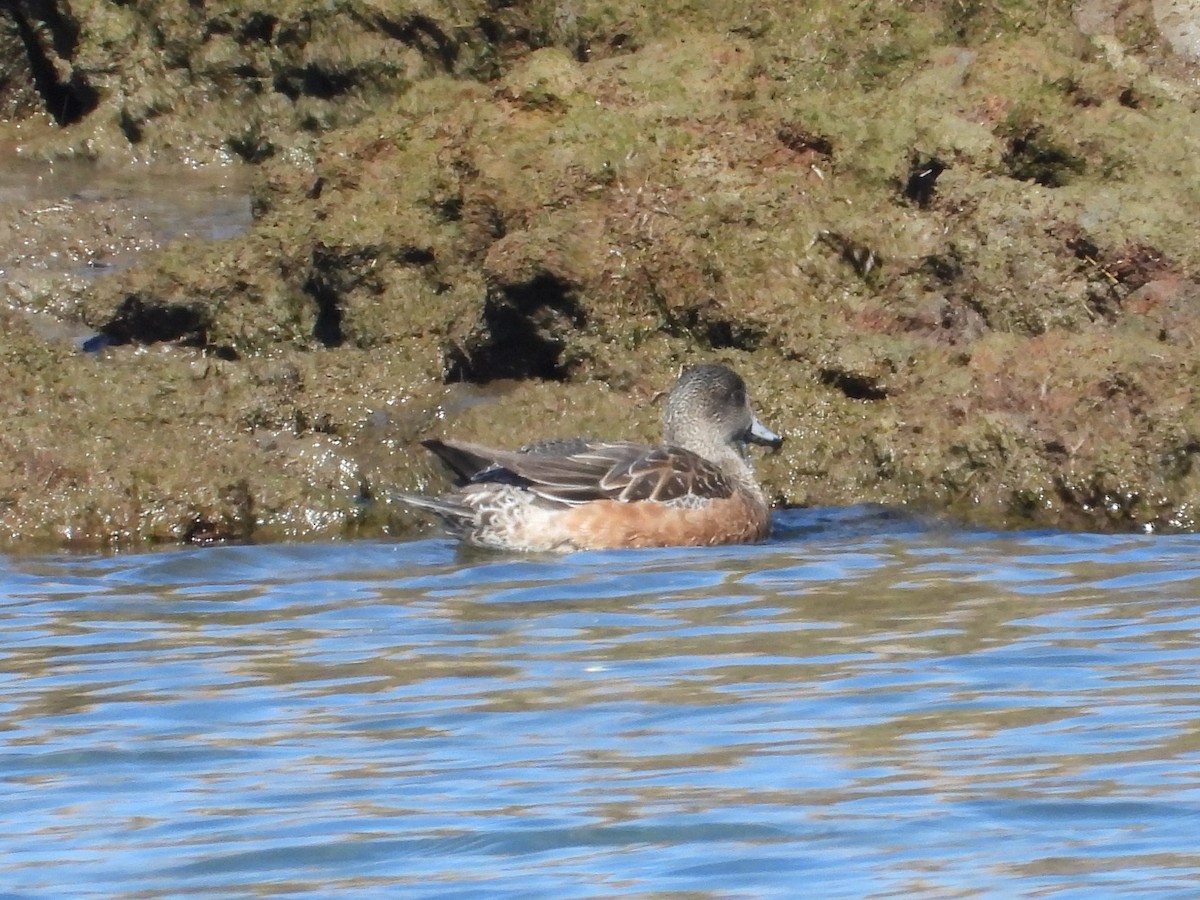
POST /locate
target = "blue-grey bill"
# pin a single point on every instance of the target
(761, 434)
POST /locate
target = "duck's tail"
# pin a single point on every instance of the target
(455, 515)
(465, 460)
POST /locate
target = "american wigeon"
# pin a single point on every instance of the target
(696, 488)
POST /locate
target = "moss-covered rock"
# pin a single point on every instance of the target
(950, 246)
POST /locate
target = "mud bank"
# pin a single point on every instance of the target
(951, 247)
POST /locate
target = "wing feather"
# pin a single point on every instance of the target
(576, 472)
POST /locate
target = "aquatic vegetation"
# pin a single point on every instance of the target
(952, 242)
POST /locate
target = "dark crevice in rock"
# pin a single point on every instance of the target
(67, 101)
(523, 333)
(337, 272)
(141, 321)
(1131, 98)
(320, 286)
(328, 326)
(251, 145)
(424, 34)
(259, 27)
(854, 385)
(130, 127)
(235, 521)
(715, 333)
(799, 139)
(726, 334)
(1088, 497)
(449, 209)
(1033, 156)
(923, 173)
(1180, 461)
(701, 321)
(947, 267)
(313, 81)
(415, 256)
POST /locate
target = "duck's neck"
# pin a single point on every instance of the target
(734, 464)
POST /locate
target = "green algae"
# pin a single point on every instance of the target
(580, 199)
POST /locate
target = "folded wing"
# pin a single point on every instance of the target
(575, 472)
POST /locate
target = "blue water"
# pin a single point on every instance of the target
(869, 705)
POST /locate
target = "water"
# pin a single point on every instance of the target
(73, 218)
(869, 705)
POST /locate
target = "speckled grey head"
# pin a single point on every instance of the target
(708, 408)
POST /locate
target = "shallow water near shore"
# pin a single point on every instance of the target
(870, 704)
(78, 219)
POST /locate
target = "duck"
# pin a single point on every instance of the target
(696, 488)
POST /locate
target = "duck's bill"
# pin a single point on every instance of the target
(761, 434)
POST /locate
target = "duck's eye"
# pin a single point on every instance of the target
(738, 397)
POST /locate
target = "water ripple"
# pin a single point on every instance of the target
(869, 704)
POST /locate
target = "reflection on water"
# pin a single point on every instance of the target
(867, 705)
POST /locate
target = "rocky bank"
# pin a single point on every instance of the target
(951, 246)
